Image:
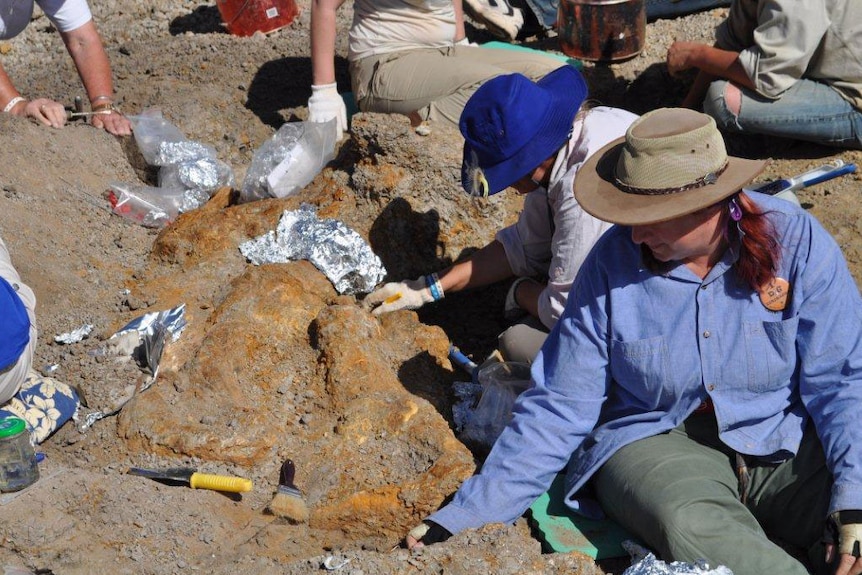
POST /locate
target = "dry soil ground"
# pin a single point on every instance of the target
(231, 93)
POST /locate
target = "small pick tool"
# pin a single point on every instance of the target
(195, 480)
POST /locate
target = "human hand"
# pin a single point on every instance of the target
(426, 533)
(680, 56)
(325, 104)
(465, 42)
(47, 112)
(114, 123)
(849, 546)
(409, 294)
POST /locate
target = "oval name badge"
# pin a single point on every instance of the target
(774, 295)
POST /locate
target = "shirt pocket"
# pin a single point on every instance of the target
(770, 348)
(641, 368)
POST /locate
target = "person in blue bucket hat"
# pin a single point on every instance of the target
(532, 137)
(42, 402)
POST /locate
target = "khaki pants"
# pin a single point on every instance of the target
(679, 493)
(437, 82)
(523, 340)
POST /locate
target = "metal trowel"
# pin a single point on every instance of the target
(195, 480)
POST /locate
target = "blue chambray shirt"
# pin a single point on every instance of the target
(635, 353)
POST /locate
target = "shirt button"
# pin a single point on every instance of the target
(706, 333)
(703, 287)
(710, 387)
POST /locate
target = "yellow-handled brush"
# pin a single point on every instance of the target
(196, 480)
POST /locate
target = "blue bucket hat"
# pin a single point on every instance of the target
(14, 325)
(512, 124)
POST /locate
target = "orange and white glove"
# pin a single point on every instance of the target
(409, 294)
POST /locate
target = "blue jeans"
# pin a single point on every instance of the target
(809, 111)
(545, 11)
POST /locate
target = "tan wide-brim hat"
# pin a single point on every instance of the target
(671, 162)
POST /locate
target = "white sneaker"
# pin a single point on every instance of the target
(499, 16)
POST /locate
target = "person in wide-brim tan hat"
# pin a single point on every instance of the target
(705, 378)
(671, 162)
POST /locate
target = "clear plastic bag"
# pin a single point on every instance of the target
(501, 383)
(189, 172)
(289, 160)
(153, 207)
(155, 137)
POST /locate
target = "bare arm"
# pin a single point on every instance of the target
(85, 47)
(711, 62)
(527, 296)
(460, 33)
(484, 267)
(323, 31)
(8, 92)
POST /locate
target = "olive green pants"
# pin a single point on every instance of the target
(679, 493)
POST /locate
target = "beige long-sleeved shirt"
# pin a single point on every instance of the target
(781, 41)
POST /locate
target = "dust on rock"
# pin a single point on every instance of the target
(274, 363)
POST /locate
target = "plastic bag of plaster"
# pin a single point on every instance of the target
(501, 383)
(189, 173)
(162, 143)
(153, 207)
(183, 163)
(289, 160)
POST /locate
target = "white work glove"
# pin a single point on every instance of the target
(846, 527)
(409, 294)
(512, 310)
(326, 103)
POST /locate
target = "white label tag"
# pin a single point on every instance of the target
(272, 12)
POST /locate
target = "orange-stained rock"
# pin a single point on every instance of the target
(274, 363)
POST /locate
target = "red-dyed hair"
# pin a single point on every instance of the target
(760, 252)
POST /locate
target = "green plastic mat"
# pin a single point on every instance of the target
(560, 530)
(561, 57)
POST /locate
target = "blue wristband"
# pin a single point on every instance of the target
(433, 283)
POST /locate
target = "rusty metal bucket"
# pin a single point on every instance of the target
(602, 30)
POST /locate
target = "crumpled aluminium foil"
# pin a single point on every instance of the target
(153, 330)
(182, 151)
(645, 563)
(193, 199)
(75, 335)
(337, 251)
(174, 319)
(198, 174)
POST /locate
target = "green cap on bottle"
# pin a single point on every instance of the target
(10, 426)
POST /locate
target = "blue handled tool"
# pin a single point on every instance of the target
(821, 174)
(461, 360)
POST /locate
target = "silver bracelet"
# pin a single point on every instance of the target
(12, 103)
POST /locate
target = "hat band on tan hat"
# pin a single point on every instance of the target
(671, 162)
(706, 180)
